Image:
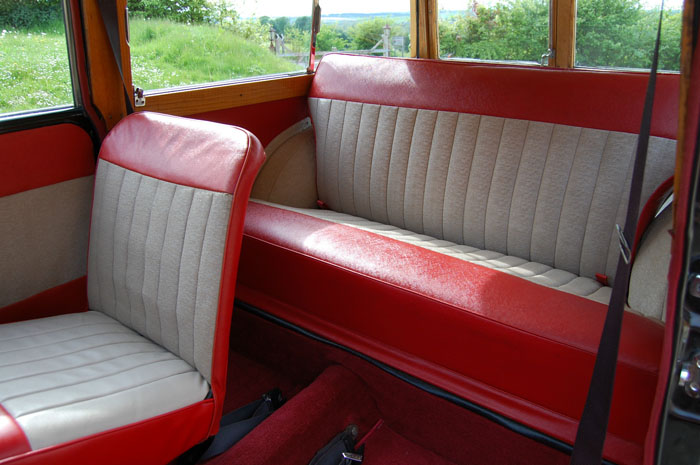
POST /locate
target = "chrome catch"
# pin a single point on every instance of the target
(689, 379)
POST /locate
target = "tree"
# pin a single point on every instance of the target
(331, 36)
(609, 33)
(280, 24)
(22, 14)
(366, 34)
(303, 23)
(184, 11)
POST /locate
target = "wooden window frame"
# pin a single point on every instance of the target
(108, 97)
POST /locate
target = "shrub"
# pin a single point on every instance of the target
(29, 14)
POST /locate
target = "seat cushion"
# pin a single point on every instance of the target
(532, 271)
(515, 347)
(70, 376)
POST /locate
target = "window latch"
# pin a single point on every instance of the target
(139, 99)
(544, 59)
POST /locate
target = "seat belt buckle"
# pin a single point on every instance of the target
(624, 245)
(351, 457)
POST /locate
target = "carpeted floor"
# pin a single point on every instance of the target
(329, 389)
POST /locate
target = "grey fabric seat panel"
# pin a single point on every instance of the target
(547, 193)
(73, 375)
(155, 259)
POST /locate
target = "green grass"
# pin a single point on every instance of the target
(34, 70)
(167, 54)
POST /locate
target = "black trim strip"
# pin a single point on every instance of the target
(499, 419)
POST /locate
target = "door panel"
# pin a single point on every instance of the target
(46, 177)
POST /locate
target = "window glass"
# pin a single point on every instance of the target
(509, 30)
(365, 27)
(34, 66)
(184, 42)
(621, 33)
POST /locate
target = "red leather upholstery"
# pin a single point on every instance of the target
(181, 158)
(44, 156)
(12, 438)
(523, 350)
(574, 97)
(154, 441)
(225, 159)
(193, 153)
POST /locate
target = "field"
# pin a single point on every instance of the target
(166, 54)
(34, 69)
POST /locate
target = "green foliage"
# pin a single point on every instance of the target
(280, 24)
(184, 11)
(609, 33)
(303, 23)
(331, 37)
(517, 30)
(625, 36)
(366, 34)
(31, 14)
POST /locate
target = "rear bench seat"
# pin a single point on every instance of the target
(466, 230)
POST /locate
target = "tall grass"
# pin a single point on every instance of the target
(34, 70)
(167, 54)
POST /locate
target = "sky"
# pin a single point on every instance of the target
(274, 8)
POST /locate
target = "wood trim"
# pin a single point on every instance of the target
(200, 100)
(563, 32)
(414, 33)
(687, 35)
(106, 86)
(425, 29)
(431, 32)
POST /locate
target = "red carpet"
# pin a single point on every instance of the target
(328, 389)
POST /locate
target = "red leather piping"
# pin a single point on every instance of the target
(205, 163)
(251, 164)
(573, 97)
(12, 438)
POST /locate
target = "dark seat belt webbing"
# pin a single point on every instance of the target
(590, 437)
(109, 15)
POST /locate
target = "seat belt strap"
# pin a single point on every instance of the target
(108, 13)
(590, 437)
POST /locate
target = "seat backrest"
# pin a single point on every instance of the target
(526, 162)
(169, 202)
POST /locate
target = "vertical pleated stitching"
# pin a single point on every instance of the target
(179, 267)
(447, 171)
(528, 181)
(128, 244)
(159, 312)
(457, 177)
(566, 188)
(469, 173)
(417, 170)
(198, 274)
(502, 185)
(192, 247)
(93, 274)
(590, 206)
